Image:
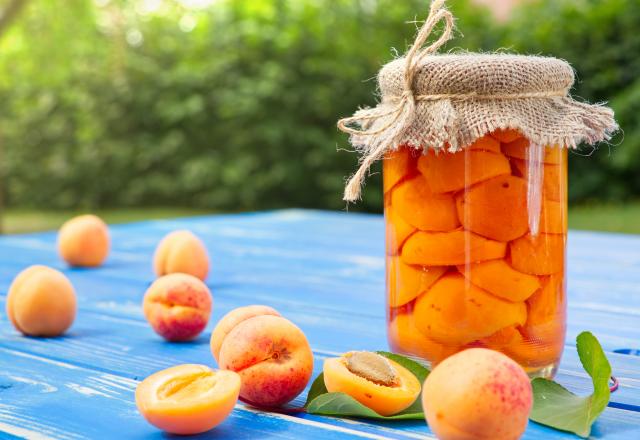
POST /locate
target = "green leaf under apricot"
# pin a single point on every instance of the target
(321, 402)
(557, 407)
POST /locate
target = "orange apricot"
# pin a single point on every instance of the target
(178, 306)
(543, 254)
(450, 248)
(41, 302)
(454, 311)
(506, 135)
(406, 282)
(485, 143)
(446, 172)
(395, 166)
(477, 394)
(181, 252)
(272, 357)
(519, 149)
(397, 230)
(233, 318)
(554, 178)
(373, 380)
(404, 337)
(188, 399)
(546, 311)
(84, 241)
(495, 208)
(418, 206)
(553, 217)
(500, 279)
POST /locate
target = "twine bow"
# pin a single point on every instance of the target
(404, 111)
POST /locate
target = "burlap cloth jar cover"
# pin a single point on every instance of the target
(448, 101)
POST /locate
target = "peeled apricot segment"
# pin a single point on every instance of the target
(454, 311)
(506, 135)
(406, 282)
(495, 208)
(500, 279)
(373, 380)
(398, 230)
(554, 178)
(546, 310)
(542, 254)
(188, 399)
(450, 248)
(396, 165)
(446, 172)
(405, 337)
(553, 217)
(485, 143)
(418, 206)
(519, 149)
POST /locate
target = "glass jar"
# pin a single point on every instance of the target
(476, 250)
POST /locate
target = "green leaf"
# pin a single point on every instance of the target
(321, 402)
(555, 406)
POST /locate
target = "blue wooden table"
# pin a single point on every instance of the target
(322, 270)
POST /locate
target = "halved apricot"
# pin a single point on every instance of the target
(485, 143)
(418, 206)
(502, 338)
(519, 149)
(506, 135)
(495, 208)
(500, 279)
(554, 178)
(405, 337)
(446, 172)
(188, 399)
(373, 380)
(553, 217)
(397, 230)
(450, 248)
(395, 166)
(546, 311)
(533, 354)
(543, 254)
(454, 311)
(407, 281)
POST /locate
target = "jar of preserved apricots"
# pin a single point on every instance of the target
(474, 150)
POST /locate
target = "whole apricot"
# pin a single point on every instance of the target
(41, 302)
(181, 252)
(477, 394)
(272, 357)
(178, 306)
(188, 399)
(233, 318)
(373, 380)
(84, 241)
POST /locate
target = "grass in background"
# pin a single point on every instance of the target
(613, 218)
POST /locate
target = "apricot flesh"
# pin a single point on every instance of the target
(500, 279)
(404, 337)
(181, 252)
(477, 394)
(495, 208)
(446, 172)
(543, 254)
(272, 357)
(397, 231)
(233, 318)
(485, 143)
(373, 380)
(395, 167)
(506, 135)
(554, 179)
(418, 206)
(188, 399)
(450, 248)
(41, 302)
(406, 282)
(518, 148)
(178, 306)
(84, 241)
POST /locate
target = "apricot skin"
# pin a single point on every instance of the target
(188, 399)
(233, 318)
(477, 394)
(41, 302)
(178, 306)
(385, 400)
(181, 252)
(272, 357)
(84, 241)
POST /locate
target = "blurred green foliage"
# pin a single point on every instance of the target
(233, 105)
